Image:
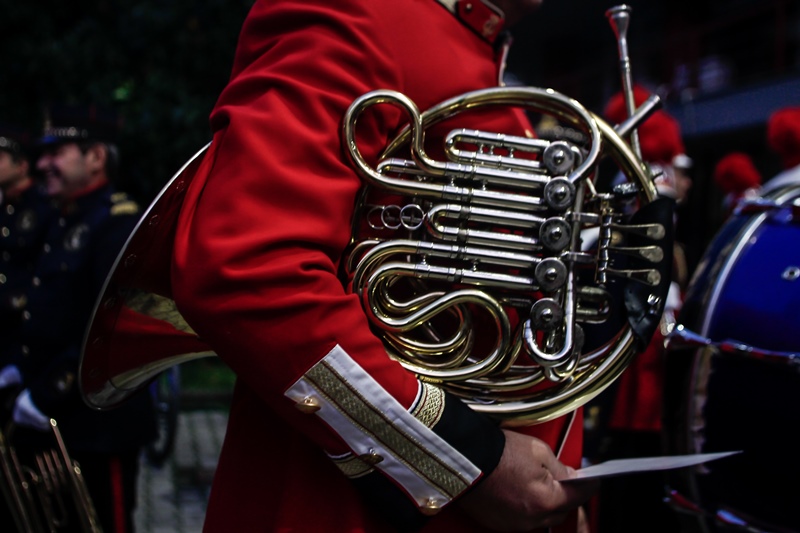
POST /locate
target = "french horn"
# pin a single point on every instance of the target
(491, 232)
(495, 232)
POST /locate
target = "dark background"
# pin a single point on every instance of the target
(159, 64)
(721, 66)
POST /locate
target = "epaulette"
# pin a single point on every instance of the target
(128, 207)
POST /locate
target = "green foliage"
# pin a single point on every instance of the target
(161, 65)
(208, 375)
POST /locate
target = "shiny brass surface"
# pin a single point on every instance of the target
(494, 237)
(136, 330)
(308, 406)
(43, 487)
(431, 507)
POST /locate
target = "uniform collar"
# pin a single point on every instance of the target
(16, 191)
(481, 16)
(85, 197)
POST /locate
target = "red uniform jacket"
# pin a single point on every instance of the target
(638, 402)
(257, 251)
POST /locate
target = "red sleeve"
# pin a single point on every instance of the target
(268, 215)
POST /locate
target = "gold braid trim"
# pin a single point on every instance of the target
(413, 454)
(429, 406)
(352, 466)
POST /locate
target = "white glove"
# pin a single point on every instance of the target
(671, 309)
(10, 376)
(26, 414)
(674, 298)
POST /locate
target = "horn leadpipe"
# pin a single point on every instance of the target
(619, 18)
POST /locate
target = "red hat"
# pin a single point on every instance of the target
(783, 135)
(735, 173)
(659, 135)
(616, 110)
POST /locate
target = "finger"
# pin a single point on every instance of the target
(558, 469)
(566, 473)
(554, 519)
(549, 461)
(583, 521)
(577, 493)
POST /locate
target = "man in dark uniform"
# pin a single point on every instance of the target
(78, 163)
(24, 215)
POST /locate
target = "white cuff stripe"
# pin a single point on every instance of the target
(372, 422)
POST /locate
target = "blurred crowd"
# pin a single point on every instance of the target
(63, 224)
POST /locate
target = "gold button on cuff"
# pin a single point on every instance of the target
(308, 406)
(371, 458)
(430, 507)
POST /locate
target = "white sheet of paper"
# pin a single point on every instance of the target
(645, 464)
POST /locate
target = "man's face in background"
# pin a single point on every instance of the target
(65, 169)
(12, 170)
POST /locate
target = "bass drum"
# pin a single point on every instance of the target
(733, 380)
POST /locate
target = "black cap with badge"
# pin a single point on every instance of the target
(79, 124)
(14, 140)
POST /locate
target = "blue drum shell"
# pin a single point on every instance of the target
(746, 289)
(759, 304)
